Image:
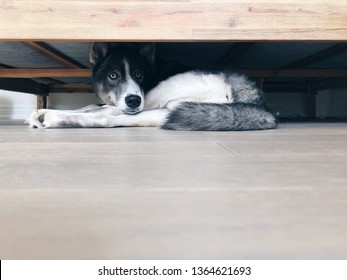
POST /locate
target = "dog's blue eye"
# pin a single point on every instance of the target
(113, 75)
(138, 74)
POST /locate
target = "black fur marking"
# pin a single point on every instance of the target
(42, 118)
(214, 117)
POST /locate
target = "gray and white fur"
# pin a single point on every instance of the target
(123, 79)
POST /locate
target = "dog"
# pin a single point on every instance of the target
(124, 79)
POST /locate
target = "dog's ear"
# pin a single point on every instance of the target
(98, 52)
(147, 52)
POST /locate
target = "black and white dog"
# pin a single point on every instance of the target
(124, 80)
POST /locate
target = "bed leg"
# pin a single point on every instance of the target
(259, 82)
(41, 102)
(311, 103)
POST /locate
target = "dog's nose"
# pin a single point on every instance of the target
(133, 101)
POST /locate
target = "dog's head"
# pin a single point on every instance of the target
(122, 73)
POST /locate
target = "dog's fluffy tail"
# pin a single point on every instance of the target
(214, 117)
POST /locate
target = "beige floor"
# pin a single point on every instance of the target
(145, 193)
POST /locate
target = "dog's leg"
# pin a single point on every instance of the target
(53, 117)
(93, 108)
(56, 119)
(86, 108)
(104, 109)
(147, 118)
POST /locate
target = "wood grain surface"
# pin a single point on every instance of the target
(195, 20)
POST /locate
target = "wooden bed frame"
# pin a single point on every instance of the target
(35, 21)
(176, 20)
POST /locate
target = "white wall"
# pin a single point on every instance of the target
(289, 104)
(15, 107)
(70, 101)
(330, 103)
(339, 103)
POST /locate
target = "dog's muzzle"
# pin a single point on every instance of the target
(133, 101)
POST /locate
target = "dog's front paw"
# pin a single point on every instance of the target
(43, 118)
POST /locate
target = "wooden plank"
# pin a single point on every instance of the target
(49, 80)
(46, 50)
(302, 73)
(256, 73)
(40, 73)
(324, 54)
(186, 20)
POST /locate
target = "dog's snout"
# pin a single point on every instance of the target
(133, 101)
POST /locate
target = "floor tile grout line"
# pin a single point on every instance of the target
(229, 151)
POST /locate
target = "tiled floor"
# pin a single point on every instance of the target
(146, 193)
